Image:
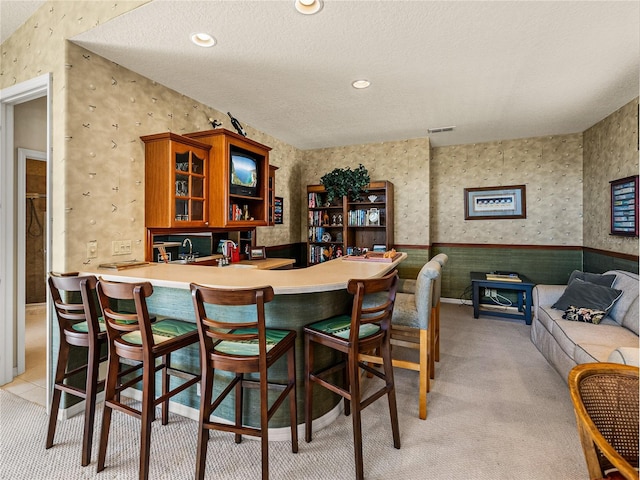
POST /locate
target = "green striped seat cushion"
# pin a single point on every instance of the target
(162, 331)
(340, 326)
(82, 327)
(250, 347)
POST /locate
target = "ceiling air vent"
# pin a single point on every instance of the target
(440, 129)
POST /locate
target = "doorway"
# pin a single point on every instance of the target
(13, 206)
(30, 374)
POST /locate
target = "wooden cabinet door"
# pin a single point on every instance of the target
(176, 183)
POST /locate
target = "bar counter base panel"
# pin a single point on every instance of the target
(277, 434)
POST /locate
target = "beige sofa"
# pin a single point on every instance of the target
(566, 343)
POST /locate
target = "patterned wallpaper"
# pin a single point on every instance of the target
(98, 158)
(38, 47)
(404, 163)
(551, 169)
(111, 107)
(610, 153)
(100, 110)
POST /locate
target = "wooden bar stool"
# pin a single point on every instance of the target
(367, 329)
(78, 325)
(134, 338)
(234, 343)
(412, 327)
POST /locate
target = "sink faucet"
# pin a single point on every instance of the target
(184, 244)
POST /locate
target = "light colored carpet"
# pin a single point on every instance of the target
(496, 410)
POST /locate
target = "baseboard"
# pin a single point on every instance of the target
(77, 408)
(456, 300)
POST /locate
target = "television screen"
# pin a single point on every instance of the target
(244, 174)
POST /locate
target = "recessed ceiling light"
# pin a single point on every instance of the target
(361, 84)
(308, 7)
(203, 39)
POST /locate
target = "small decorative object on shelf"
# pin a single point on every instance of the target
(214, 123)
(344, 181)
(373, 216)
(236, 125)
(372, 198)
(257, 253)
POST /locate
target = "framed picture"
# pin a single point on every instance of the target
(257, 253)
(277, 210)
(624, 206)
(491, 203)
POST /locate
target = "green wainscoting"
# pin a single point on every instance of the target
(416, 258)
(599, 262)
(541, 265)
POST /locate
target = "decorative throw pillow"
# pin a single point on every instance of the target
(588, 315)
(588, 295)
(598, 279)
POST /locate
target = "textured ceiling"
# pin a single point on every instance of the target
(495, 70)
(13, 14)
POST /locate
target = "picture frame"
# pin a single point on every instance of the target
(278, 203)
(257, 253)
(494, 203)
(624, 206)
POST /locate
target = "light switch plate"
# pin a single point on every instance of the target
(121, 247)
(92, 249)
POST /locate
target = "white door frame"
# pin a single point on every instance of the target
(24, 154)
(9, 263)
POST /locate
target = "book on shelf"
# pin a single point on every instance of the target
(315, 200)
(499, 277)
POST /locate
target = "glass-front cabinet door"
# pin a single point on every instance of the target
(190, 194)
(176, 183)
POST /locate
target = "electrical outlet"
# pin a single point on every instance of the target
(198, 392)
(92, 249)
(121, 247)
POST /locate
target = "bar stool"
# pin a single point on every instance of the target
(366, 329)
(79, 327)
(133, 338)
(412, 327)
(442, 259)
(233, 343)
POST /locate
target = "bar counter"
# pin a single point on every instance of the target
(303, 296)
(323, 277)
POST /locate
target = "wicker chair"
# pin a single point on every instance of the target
(605, 400)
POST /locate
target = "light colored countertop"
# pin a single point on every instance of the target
(265, 264)
(327, 276)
